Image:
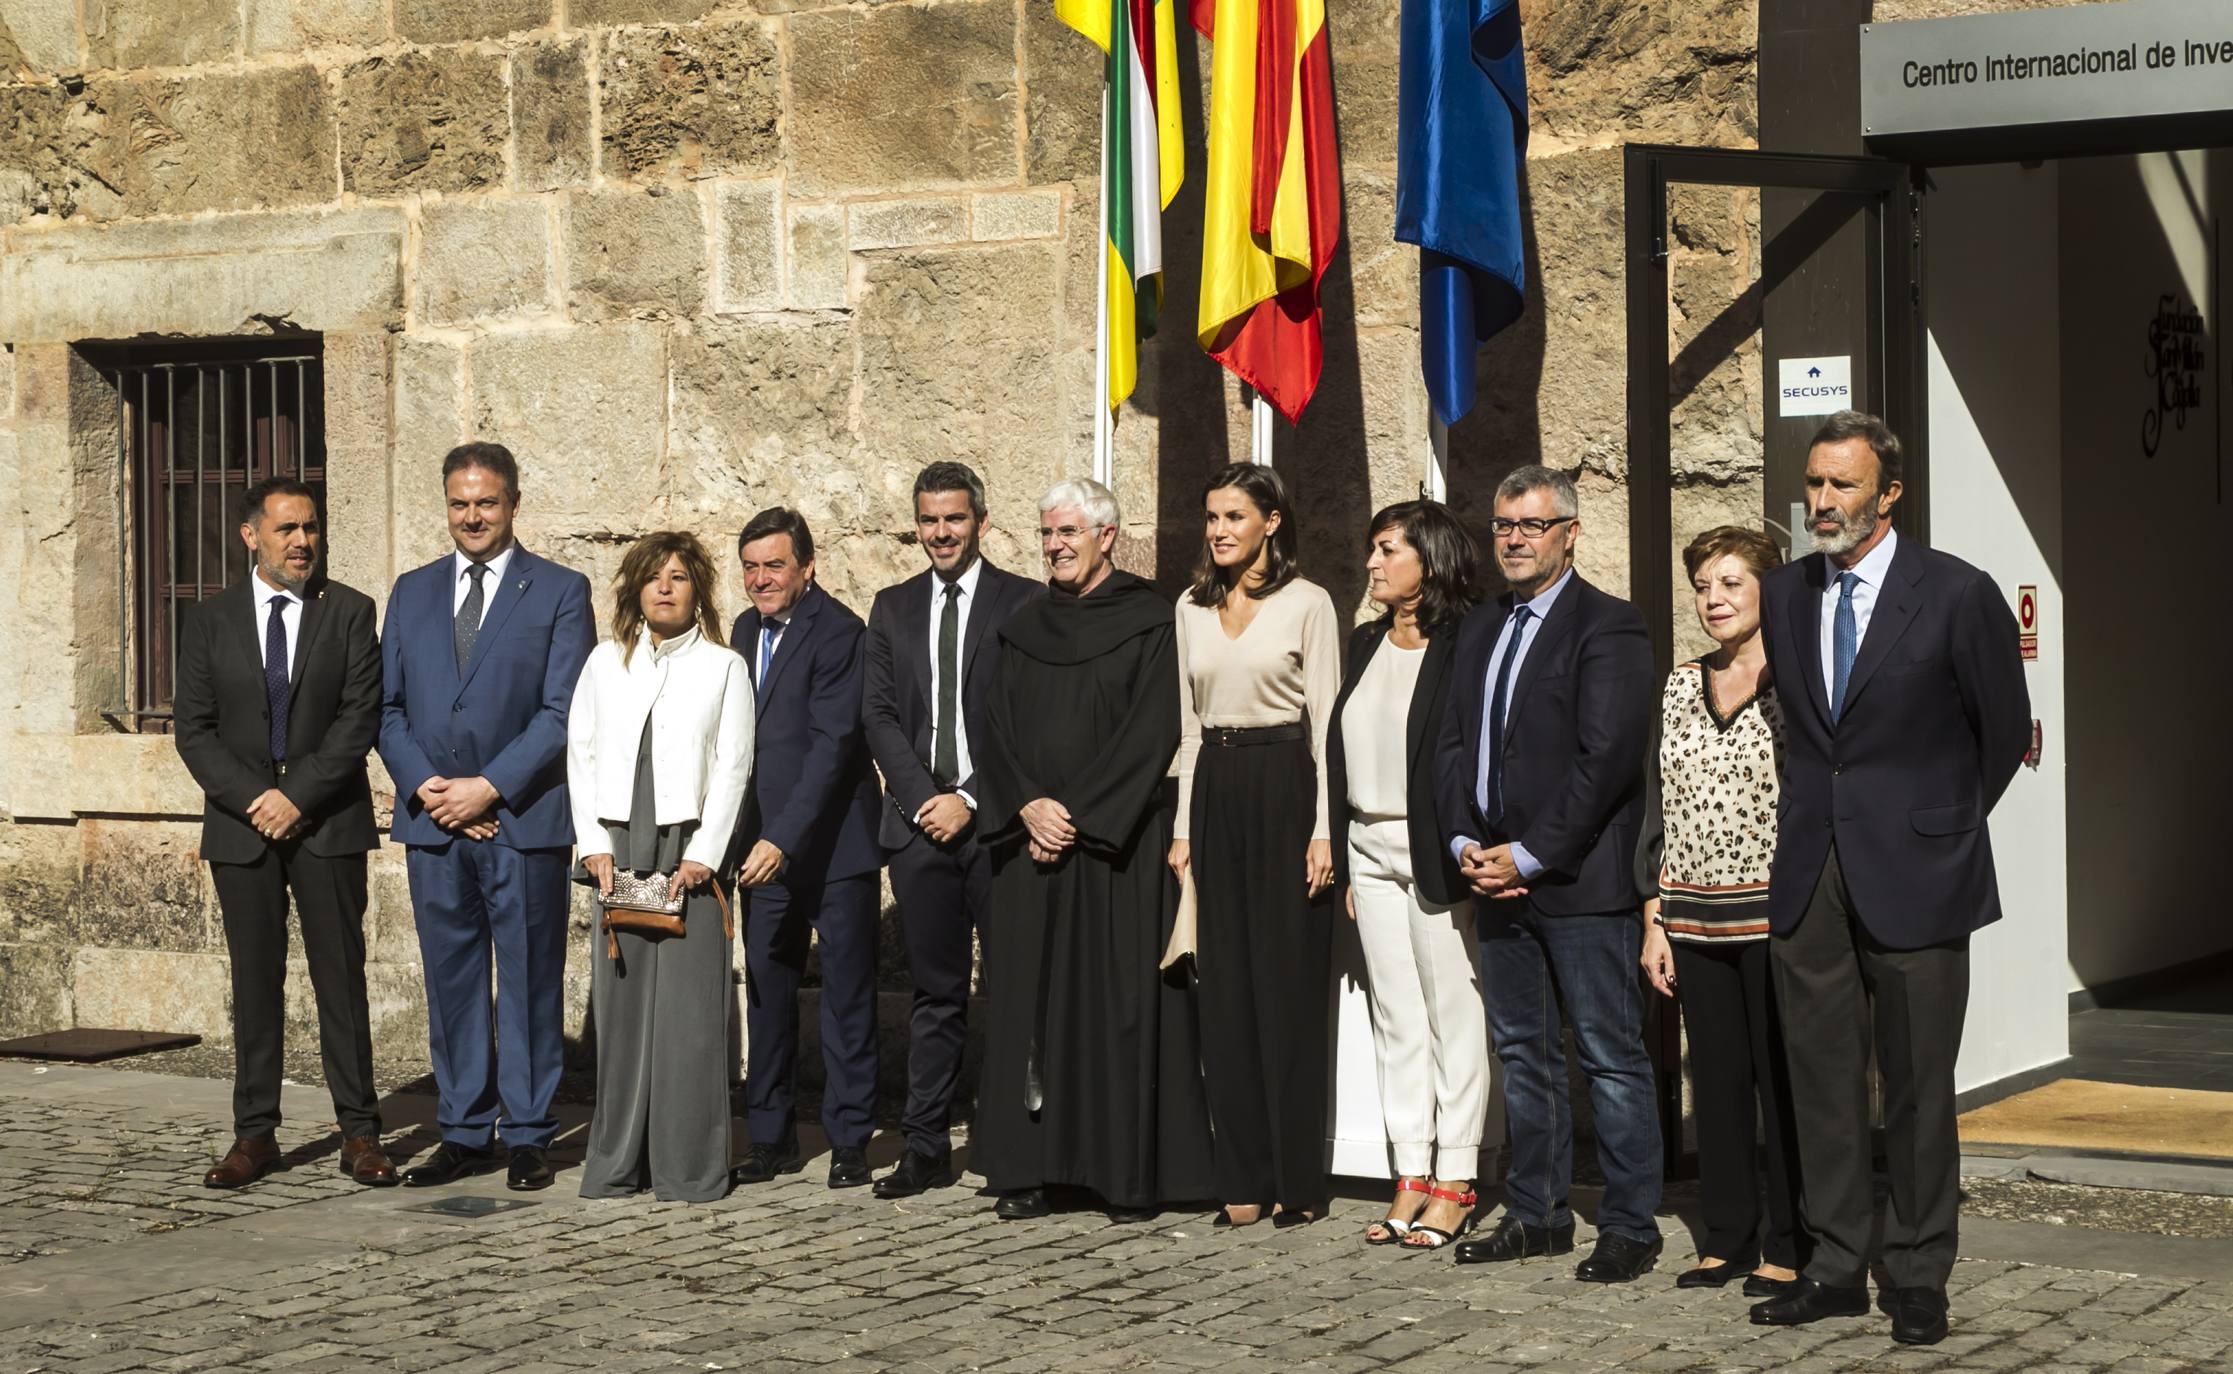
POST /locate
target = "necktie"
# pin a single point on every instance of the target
(468, 626)
(1845, 642)
(769, 633)
(275, 676)
(945, 760)
(1499, 703)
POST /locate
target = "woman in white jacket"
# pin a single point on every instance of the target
(659, 747)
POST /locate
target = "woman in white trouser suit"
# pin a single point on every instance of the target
(1413, 912)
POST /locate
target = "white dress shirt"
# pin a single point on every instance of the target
(771, 639)
(290, 616)
(1871, 571)
(489, 583)
(1538, 610)
(963, 765)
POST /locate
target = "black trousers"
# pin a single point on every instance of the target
(1838, 989)
(330, 900)
(1265, 953)
(1740, 1085)
(945, 896)
(778, 919)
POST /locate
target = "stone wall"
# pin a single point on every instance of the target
(690, 258)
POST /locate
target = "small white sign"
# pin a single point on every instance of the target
(1814, 386)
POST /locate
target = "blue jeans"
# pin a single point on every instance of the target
(1532, 967)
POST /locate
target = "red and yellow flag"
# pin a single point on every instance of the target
(1273, 196)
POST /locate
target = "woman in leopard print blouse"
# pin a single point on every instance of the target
(1702, 870)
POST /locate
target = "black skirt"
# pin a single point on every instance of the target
(1264, 952)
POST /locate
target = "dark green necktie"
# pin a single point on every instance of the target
(945, 761)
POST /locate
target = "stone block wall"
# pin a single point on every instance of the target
(690, 258)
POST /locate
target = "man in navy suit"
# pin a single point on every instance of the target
(1906, 717)
(1539, 787)
(482, 650)
(923, 701)
(809, 836)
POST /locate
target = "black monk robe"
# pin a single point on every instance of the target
(1092, 1076)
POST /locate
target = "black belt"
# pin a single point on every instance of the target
(1231, 737)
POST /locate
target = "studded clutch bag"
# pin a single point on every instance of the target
(646, 895)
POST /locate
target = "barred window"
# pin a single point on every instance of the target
(197, 424)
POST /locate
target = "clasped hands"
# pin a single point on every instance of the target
(689, 875)
(274, 816)
(1048, 830)
(465, 805)
(1491, 872)
(945, 817)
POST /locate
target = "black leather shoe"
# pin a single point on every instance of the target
(1712, 1275)
(917, 1172)
(1761, 1286)
(1132, 1216)
(848, 1167)
(1811, 1302)
(1025, 1204)
(763, 1162)
(528, 1171)
(1918, 1316)
(1514, 1239)
(1618, 1259)
(449, 1163)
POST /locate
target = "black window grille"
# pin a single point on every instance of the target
(196, 426)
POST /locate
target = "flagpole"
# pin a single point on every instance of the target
(1104, 418)
(1259, 430)
(1437, 487)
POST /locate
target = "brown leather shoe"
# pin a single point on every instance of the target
(363, 1160)
(243, 1164)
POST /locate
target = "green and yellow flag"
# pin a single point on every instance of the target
(1141, 165)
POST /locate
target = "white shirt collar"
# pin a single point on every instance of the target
(672, 646)
(967, 581)
(1874, 567)
(1540, 605)
(265, 591)
(497, 563)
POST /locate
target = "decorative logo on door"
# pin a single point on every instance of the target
(2175, 363)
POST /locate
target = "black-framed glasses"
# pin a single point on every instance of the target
(1532, 527)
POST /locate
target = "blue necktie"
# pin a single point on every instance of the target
(275, 676)
(1499, 703)
(768, 634)
(1845, 642)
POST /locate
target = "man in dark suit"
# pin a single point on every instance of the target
(1907, 715)
(1539, 785)
(810, 861)
(483, 648)
(923, 701)
(277, 703)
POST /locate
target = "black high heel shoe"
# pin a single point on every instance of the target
(1715, 1275)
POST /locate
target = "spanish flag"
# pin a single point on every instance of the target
(1274, 195)
(1141, 164)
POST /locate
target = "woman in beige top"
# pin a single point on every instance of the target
(1259, 668)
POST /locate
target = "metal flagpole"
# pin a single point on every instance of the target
(1437, 485)
(1259, 430)
(1104, 418)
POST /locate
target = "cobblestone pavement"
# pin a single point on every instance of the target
(113, 1258)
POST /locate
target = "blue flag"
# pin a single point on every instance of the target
(1461, 137)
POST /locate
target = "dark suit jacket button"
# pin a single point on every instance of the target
(457, 706)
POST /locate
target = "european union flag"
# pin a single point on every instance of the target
(1461, 137)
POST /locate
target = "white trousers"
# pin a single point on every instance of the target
(1428, 1026)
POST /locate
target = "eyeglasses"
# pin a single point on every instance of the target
(1068, 534)
(1533, 528)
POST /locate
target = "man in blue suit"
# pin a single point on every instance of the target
(811, 857)
(482, 650)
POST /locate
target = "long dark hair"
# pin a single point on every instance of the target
(1268, 494)
(645, 558)
(1449, 560)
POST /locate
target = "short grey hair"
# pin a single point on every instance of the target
(1097, 502)
(1535, 477)
(1859, 424)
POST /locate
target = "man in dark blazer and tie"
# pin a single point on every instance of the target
(277, 704)
(483, 649)
(1539, 786)
(808, 837)
(923, 701)
(1907, 716)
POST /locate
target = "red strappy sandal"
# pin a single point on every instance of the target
(1393, 1229)
(1434, 1236)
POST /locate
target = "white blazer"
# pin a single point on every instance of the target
(699, 698)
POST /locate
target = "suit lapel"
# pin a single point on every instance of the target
(306, 635)
(1476, 684)
(1806, 620)
(242, 613)
(989, 586)
(1896, 604)
(519, 575)
(1418, 728)
(922, 605)
(795, 631)
(1557, 627)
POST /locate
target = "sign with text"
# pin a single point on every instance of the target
(2027, 623)
(2048, 66)
(1814, 386)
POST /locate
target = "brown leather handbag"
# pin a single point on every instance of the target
(644, 906)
